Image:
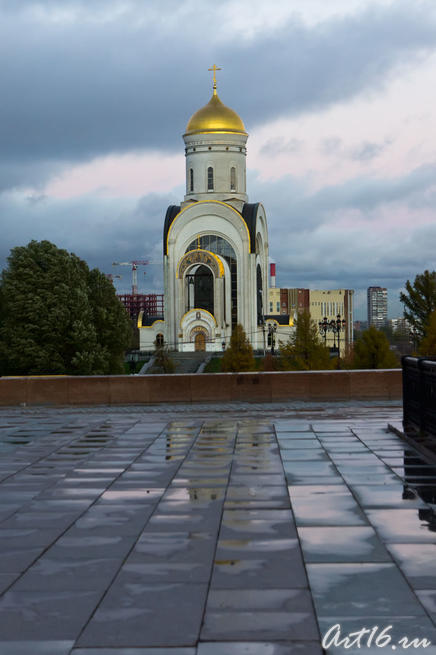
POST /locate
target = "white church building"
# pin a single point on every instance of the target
(215, 245)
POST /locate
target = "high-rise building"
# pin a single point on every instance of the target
(377, 306)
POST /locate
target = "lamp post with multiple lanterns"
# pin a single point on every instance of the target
(336, 326)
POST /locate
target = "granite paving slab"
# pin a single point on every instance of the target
(36, 647)
(141, 614)
(189, 530)
(45, 615)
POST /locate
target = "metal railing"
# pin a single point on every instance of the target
(419, 395)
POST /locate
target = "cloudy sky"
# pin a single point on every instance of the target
(338, 96)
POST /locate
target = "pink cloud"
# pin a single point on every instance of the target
(120, 175)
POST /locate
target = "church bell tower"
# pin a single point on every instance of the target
(215, 150)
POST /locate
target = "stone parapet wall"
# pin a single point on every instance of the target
(209, 387)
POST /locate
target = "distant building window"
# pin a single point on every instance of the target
(210, 178)
(191, 180)
(271, 307)
(278, 306)
(233, 179)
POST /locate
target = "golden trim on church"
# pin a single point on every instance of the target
(200, 256)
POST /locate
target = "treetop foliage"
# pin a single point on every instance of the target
(59, 317)
(427, 347)
(371, 350)
(420, 300)
(304, 351)
(239, 355)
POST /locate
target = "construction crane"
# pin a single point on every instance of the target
(112, 277)
(134, 264)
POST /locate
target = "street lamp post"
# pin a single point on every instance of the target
(272, 329)
(324, 327)
(335, 326)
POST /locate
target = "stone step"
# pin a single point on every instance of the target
(188, 362)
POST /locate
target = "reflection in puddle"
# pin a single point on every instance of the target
(428, 516)
(420, 476)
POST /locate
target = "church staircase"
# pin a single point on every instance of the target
(188, 362)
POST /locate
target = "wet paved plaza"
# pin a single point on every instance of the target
(233, 530)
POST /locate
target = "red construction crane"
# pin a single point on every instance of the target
(134, 264)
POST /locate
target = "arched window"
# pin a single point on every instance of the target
(210, 178)
(159, 340)
(191, 180)
(233, 179)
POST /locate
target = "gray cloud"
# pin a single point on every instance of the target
(121, 75)
(366, 194)
(28, 173)
(100, 231)
(74, 90)
(310, 247)
(367, 150)
(331, 145)
(279, 145)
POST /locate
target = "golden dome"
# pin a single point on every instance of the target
(215, 117)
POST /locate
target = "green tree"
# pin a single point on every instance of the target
(114, 332)
(58, 317)
(305, 351)
(372, 350)
(239, 355)
(427, 346)
(163, 363)
(420, 300)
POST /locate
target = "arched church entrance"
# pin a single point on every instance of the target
(200, 342)
(201, 289)
(216, 244)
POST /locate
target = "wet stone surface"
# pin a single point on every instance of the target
(243, 531)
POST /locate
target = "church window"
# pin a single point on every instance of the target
(191, 180)
(210, 178)
(159, 340)
(233, 179)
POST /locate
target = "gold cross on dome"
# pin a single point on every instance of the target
(214, 69)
